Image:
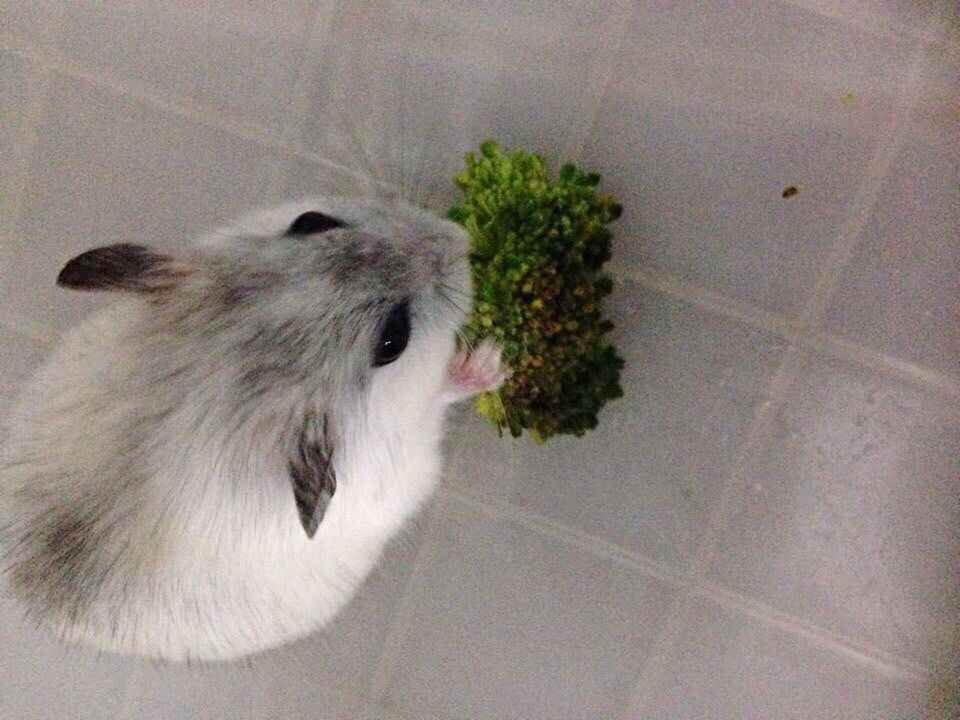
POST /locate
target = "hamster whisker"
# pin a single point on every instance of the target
(450, 300)
(459, 291)
(459, 258)
(403, 132)
(459, 294)
(462, 337)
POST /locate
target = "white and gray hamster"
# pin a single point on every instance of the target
(211, 465)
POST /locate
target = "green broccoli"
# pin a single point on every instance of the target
(537, 251)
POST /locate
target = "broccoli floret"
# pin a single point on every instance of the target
(538, 247)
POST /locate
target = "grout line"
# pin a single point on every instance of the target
(866, 197)
(904, 370)
(615, 25)
(317, 39)
(140, 92)
(664, 647)
(614, 32)
(548, 527)
(880, 660)
(791, 330)
(400, 623)
(713, 301)
(178, 107)
(393, 646)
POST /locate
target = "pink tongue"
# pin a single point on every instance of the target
(467, 375)
(477, 371)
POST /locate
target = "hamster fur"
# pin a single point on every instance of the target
(164, 471)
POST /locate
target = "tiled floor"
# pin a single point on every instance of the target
(766, 526)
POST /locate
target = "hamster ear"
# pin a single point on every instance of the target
(125, 267)
(311, 472)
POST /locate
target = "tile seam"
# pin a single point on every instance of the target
(880, 660)
(791, 330)
(614, 30)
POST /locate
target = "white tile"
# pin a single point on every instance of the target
(702, 185)
(107, 170)
(511, 624)
(793, 44)
(17, 93)
(241, 60)
(414, 87)
(30, 23)
(714, 110)
(484, 462)
(648, 477)
(910, 17)
(766, 57)
(934, 115)
(899, 291)
(850, 518)
(728, 666)
(172, 692)
(41, 679)
(388, 711)
(6, 401)
(19, 356)
(304, 178)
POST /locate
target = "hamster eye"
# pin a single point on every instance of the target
(393, 335)
(311, 223)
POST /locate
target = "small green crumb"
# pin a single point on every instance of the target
(848, 99)
(790, 191)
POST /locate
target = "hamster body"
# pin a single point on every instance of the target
(211, 465)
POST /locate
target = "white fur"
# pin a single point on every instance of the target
(215, 517)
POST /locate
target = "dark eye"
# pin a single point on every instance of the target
(313, 222)
(393, 335)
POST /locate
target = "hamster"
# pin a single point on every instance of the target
(211, 465)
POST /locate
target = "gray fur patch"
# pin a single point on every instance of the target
(311, 472)
(55, 566)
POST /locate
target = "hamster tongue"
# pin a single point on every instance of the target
(475, 372)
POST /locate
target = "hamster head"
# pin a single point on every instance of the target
(363, 297)
(337, 315)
